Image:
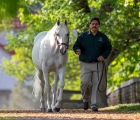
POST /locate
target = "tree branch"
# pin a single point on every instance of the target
(81, 4)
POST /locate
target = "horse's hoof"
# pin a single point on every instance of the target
(57, 109)
(43, 109)
(49, 110)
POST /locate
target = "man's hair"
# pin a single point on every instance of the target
(94, 18)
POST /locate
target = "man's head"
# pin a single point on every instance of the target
(94, 24)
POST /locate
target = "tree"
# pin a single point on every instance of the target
(119, 20)
(9, 10)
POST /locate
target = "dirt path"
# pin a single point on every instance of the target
(67, 114)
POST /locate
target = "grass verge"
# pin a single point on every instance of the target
(123, 108)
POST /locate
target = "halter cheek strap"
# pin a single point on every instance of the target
(59, 44)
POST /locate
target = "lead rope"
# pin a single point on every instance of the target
(103, 63)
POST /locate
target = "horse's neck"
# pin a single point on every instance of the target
(53, 29)
(50, 40)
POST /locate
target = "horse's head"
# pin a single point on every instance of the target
(62, 36)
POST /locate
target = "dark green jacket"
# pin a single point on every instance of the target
(92, 46)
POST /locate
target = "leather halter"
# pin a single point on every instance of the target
(59, 44)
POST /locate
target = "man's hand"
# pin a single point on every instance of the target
(78, 52)
(100, 58)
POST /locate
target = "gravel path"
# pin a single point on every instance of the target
(68, 114)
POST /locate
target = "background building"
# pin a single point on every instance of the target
(7, 82)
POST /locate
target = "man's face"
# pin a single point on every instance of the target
(94, 26)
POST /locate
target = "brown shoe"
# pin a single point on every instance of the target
(85, 105)
(94, 109)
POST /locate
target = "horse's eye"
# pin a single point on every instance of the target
(68, 34)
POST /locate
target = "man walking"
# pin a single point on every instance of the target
(93, 47)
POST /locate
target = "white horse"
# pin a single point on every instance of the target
(49, 54)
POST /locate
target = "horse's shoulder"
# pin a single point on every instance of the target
(39, 36)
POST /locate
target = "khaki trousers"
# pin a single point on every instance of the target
(90, 76)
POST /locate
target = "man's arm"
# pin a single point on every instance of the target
(108, 48)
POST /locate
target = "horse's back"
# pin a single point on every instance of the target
(36, 48)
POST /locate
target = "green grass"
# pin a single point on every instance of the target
(123, 108)
(7, 118)
(11, 118)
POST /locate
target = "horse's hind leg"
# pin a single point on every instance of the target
(54, 89)
(42, 83)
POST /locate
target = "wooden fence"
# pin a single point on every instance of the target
(71, 103)
(127, 92)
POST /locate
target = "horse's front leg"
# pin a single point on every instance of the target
(61, 73)
(47, 87)
(54, 89)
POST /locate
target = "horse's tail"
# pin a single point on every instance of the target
(36, 85)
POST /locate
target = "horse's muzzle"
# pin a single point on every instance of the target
(63, 52)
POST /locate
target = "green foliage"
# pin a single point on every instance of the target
(76, 97)
(20, 65)
(122, 29)
(125, 66)
(9, 9)
(119, 21)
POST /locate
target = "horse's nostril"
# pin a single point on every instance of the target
(62, 51)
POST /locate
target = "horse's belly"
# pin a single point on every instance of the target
(53, 64)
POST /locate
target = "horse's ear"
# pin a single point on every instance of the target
(66, 23)
(58, 22)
